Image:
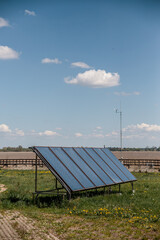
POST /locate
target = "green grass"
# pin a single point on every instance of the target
(111, 216)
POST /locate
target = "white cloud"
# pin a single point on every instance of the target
(136, 93)
(99, 128)
(88, 136)
(95, 79)
(142, 130)
(148, 127)
(19, 132)
(30, 13)
(131, 136)
(143, 126)
(4, 128)
(98, 135)
(49, 60)
(3, 23)
(113, 133)
(78, 134)
(59, 129)
(80, 64)
(126, 93)
(48, 133)
(8, 53)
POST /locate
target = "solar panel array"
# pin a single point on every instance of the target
(84, 168)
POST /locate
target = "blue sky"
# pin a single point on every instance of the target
(65, 66)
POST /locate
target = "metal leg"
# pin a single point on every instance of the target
(69, 196)
(109, 190)
(36, 198)
(63, 197)
(133, 191)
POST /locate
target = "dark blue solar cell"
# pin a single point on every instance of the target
(84, 166)
(101, 174)
(119, 164)
(76, 171)
(111, 164)
(105, 167)
(59, 168)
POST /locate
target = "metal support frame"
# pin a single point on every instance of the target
(132, 187)
(69, 196)
(109, 189)
(52, 191)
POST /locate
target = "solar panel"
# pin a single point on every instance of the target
(96, 167)
(119, 164)
(111, 164)
(80, 169)
(107, 170)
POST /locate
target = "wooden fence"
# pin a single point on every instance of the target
(16, 162)
(141, 162)
(126, 162)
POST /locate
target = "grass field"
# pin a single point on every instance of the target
(99, 216)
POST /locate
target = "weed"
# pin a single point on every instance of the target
(136, 215)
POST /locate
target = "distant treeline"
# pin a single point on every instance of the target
(22, 149)
(135, 149)
(15, 149)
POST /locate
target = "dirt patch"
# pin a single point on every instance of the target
(2, 188)
(15, 226)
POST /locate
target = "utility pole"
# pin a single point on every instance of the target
(120, 115)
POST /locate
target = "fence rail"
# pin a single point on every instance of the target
(141, 162)
(16, 162)
(126, 162)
